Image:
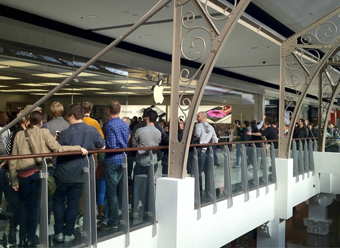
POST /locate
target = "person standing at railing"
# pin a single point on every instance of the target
(268, 133)
(69, 175)
(147, 136)
(205, 133)
(56, 125)
(88, 106)
(24, 173)
(237, 137)
(117, 135)
(301, 131)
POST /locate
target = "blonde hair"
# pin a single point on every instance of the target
(57, 109)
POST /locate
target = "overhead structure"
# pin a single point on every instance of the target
(188, 44)
(308, 57)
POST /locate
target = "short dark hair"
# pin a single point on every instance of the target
(145, 112)
(267, 121)
(152, 116)
(87, 106)
(114, 107)
(35, 118)
(76, 110)
(246, 123)
(237, 122)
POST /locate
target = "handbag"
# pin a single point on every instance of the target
(51, 185)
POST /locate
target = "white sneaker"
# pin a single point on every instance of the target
(68, 238)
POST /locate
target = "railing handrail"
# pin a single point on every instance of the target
(131, 149)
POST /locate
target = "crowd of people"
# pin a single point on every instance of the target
(75, 130)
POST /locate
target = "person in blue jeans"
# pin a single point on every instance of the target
(237, 137)
(117, 134)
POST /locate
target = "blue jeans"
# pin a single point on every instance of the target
(201, 161)
(65, 216)
(238, 154)
(29, 188)
(112, 173)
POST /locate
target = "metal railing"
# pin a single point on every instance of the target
(221, 183)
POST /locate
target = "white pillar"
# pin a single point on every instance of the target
(174, 211)
(317, 223)
(272, 234)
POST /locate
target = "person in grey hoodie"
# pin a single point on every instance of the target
(205, 133)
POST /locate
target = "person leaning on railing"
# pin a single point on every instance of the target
(24, 173)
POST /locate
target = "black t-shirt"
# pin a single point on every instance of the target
(271, 134)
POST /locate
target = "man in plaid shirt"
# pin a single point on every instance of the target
(117, 136)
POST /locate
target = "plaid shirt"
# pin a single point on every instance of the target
(117, 135)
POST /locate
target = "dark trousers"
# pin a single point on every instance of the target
(13, 204)
(29, 189)
(143, 170)
(65, 216)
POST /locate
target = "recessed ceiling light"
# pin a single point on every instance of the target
(82, 89)
(136, 87)
(97, 82)
(8, 78)
(127, 81)
(91, 16)
(31, 84)
(15, 63)
(149, 36)
(49, 75)
(82, 74)
(68, 94)
(51, 84)
(116, 93)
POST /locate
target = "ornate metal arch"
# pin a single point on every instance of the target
(304, 56)
(211, 48)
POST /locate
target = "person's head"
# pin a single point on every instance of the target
(145, 112)
(140, 119)
(127, 120)
(74, 113)
(266, 123)
(114, 108)
(316, 126)
(253, 127)
(202, 116)
(57, 109)
(151, 116)
(274, 124)
(245, 123)
(23, 120)
(87, 106)
(301, 122)
(3, 119)
(306, 122)
(36, 119)
(310, 126)
(166, 127)
(180, 125)
(134, 119)
(237, 123)
(161, 122)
